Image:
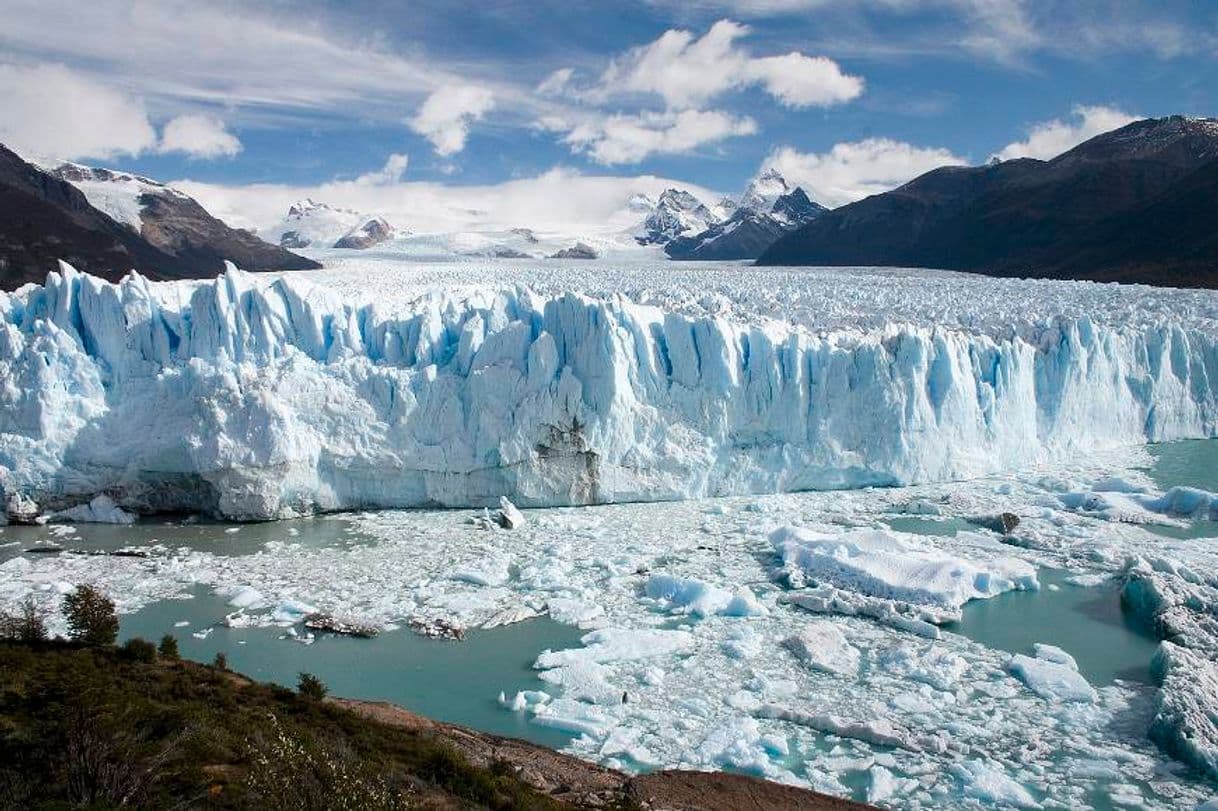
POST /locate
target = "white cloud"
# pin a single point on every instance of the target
(391, 172)
(199, 136)
(556, 82)
(54, 112)
(687, 72)
(618, 139)
(854, 170)
(1049, 139)
(559, 200)
(445, 116)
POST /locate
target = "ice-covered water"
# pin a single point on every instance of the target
(690, 617)
(447, 680)
(880, 642)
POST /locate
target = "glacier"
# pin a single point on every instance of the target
(260, 397)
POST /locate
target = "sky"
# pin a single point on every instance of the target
(249, 104)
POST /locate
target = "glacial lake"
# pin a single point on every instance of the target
(454, 681)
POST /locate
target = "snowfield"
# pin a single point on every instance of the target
(382, 384)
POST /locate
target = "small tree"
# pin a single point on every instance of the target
(169, 648)
(139, 650)
(27, 625)
(311, 687)
(91, 616)
(220, 662)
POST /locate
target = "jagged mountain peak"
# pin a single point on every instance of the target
(764, 190)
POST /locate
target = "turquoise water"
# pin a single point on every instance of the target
(458, 682)
(1086, 622)
(205, 536)
(1191, 463)
(918, 525)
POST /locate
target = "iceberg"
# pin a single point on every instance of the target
(260, 397)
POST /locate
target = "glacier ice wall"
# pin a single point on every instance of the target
(253, 398)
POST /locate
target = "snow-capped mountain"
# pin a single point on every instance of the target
(769, 208)
(764, 191)
(112, 222)
(677, 213)
(313, 224)
(119, 195)
(372, 231)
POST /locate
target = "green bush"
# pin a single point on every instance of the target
(311, 687)
(139, 650)
(91, 616)
(220, 662)
(169, 648)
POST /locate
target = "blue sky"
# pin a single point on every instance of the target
(850, 96)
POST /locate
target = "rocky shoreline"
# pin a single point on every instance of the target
(587, 785)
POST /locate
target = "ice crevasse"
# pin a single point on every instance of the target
(258, 397)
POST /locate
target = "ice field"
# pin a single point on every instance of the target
(672, 434)
(389, 385)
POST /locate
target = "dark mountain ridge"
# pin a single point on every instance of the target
(1134, 205)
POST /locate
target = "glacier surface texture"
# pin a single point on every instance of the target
(257, 397)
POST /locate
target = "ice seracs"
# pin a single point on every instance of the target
(256, 398)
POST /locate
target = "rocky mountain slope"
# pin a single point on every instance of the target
(1134, 205)
(111, 223)
(768, 209)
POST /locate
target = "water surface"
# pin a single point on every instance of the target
(454, 681)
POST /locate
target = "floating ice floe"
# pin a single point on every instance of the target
(101, 510)
(895, 566)
(1052, 674)
(683, 594)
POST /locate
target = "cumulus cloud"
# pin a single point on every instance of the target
(199, 136)
(1049, 139)
(561, 200)
(51, 111)
(391, 172)
(445, 116)
(853, 170)
(688, 71)
(618, 139)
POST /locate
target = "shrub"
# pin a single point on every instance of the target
(220, 662)
(139, 650)
(311, 687)
(27, 625)
(169, 648)
(91, 616)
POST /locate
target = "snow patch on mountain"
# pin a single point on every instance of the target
(119, 195)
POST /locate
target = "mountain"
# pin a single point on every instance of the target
(676, 213)
(116, 223)
(1133, 205)
(768, 209)
(175, 223)
(310, 224)
(371, 232)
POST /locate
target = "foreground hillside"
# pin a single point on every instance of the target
(94, 727)
(1138, 204)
